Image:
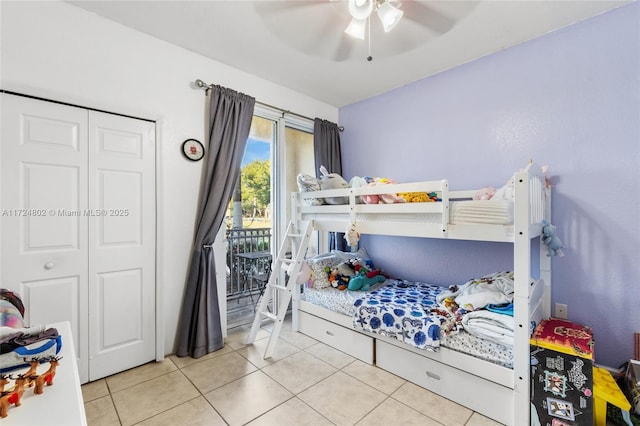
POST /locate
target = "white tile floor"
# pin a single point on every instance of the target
(305, 383)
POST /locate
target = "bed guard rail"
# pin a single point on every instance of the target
(335, 209)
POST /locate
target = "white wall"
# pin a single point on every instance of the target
(57, 51)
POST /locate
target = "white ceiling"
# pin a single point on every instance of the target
(301, 44)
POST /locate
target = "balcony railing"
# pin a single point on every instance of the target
(240, 268)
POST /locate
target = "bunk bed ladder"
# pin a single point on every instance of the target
(278, 295)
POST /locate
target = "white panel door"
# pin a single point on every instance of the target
(43, 188)
(77, 227)
(121, 243)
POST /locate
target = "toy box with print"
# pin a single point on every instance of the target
(561, 374)
(631, 385)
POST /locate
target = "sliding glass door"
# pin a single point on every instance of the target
(278, 149)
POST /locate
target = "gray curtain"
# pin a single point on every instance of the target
(328, 153)
(326, 146)
(230, 114)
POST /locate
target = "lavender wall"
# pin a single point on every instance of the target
(569, 100)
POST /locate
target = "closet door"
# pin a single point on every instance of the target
(43, 192)
(121, 243)
(77, 227)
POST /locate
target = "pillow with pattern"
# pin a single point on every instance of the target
(321, 267)
(308, 183)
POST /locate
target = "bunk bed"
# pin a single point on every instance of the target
(498, 391)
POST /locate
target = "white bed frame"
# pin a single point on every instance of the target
(497, 392)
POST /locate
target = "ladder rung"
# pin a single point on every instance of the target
(285, 260)
(296, 235)
(279, 287)
(269, 315)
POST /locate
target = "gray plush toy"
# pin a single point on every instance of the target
(551, 240)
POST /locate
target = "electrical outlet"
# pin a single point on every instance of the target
(561, 311)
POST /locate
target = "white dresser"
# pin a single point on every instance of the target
(60, 404)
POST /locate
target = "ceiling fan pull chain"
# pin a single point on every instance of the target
(369, 58)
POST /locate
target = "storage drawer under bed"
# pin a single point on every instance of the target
(486, 397)
(346, 340)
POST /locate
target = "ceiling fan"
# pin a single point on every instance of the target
(333, 29)
(361, 11)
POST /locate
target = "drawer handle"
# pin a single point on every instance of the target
(433, 375)
(329, 333)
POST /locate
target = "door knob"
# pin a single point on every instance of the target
(49, 265)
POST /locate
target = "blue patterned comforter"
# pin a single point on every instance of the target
(402, 310)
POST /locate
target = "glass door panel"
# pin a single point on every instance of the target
(278, 149)
(249, 237)
(299, 158)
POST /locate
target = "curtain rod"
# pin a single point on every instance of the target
(204, 86)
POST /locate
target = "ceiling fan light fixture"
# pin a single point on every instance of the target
(361, 9)
(357, 28)
(389, 16)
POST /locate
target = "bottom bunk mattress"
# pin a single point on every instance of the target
(408, 311)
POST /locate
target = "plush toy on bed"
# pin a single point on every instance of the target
(552, 241)
(363, 282)
(419, 197)
(341, 274)
(485, 193)
(506, 192)
(365, 275)
(381, 198)
(332, 181)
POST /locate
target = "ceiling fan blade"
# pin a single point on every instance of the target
(427, 16)
(268, 7)
(344, 48)
(315, 28)
(332, 42)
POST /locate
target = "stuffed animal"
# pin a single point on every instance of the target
(552, 241)
(352, 236)
(506, 192)
(304, 275)
(364, 266)
(333, 181)
(485, 193)
(363, 282)
(365, 275)
(341, 274)
(419, 197)
(415, 197)
(381, 198)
